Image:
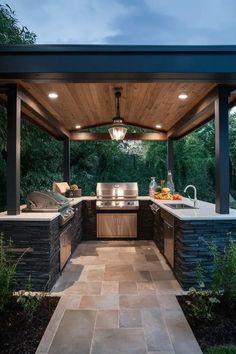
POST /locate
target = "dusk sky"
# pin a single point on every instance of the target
(129, 21)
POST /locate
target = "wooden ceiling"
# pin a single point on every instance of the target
(142, 104)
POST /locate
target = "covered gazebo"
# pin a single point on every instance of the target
(152, 79)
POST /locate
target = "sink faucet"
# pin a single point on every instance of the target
(194, 200)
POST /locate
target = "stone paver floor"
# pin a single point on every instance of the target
(118, 297)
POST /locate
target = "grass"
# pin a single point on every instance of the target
(221, 349)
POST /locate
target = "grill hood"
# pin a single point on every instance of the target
(46, 201)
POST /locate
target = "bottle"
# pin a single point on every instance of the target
(152, 187)
(170, 183)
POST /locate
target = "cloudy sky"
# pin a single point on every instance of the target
(129, 21)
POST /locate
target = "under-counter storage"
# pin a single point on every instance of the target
(157, 222)
(168, 226)
(117, 225)
(65, 244)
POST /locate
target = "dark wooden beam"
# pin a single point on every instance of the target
(222, 151)
(66, 160)
(129, 136)
(133, 124)
(205, 106)
(231, 104)
(170, 156)
(39, 111)
(13, 151)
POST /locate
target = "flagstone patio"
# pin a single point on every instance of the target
(118, 297)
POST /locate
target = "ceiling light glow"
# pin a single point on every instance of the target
(53, 95)
(183, 96)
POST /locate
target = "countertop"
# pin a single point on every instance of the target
(204, 211)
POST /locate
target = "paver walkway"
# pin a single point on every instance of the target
(118, 297)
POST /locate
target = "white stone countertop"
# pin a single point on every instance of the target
(204, 211)
(28, 216)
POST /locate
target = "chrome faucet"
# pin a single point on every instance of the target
(194, 200)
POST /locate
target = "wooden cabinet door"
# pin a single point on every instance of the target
(127, 225)
(107, 225)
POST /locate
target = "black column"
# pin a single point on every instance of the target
(222, 151)
(13, 151)
(66, 160)
(170, 156)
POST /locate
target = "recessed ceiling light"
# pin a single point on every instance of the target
(77, 126)
(183, 96)
(53, 95)
(158, 126)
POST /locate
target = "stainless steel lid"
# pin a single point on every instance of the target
(117, 190)
(48, 200)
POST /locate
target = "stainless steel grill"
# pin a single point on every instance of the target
(116, 196)
(49, 202)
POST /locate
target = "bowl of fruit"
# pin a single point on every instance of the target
(74, 192)
(164, 193)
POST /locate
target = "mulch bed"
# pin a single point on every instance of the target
(17, 334)
(221, 330)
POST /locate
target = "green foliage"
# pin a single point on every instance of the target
(224, 274)
(221, 349)
(7, 273)
(202, 301)
(223, 288)
(29, 300)
(10, 30)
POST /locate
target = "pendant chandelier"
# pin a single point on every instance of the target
(118, 128)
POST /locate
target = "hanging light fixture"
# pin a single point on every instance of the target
(118, 128)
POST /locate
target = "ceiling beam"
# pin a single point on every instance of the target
(231, 104)
(129, 136)
(109, 123)
(205, 107)
(42, 114)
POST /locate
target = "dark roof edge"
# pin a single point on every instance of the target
(63, 48)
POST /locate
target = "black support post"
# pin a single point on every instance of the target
(222, 151)
(66, 160)
(170, 156)
(13, 151)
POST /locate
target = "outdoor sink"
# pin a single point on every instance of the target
(180, 206)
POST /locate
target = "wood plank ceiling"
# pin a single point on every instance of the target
(142, 104)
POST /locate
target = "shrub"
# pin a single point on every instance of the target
(201, 301)
(29, 300)
(7, 274)
(224, 274)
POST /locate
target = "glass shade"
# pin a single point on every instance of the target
(118, 130)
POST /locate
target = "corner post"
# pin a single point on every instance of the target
(170, 156)
(13, 151)
(66, 160)
(222, 151)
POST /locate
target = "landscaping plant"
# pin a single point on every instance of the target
(29, 300)
(201, 301)
(224, 274)
(7, 273)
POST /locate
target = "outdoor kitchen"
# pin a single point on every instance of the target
(120, 250)
(51, 226)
